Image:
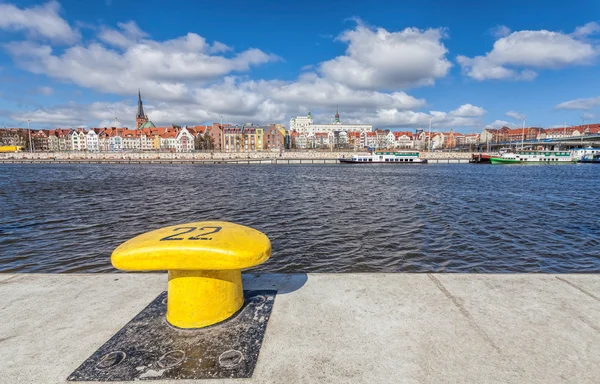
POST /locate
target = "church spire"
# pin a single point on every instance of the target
(140, 118)
(140, 113)
(337, 114)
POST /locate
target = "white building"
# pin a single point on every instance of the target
(341, 139)
(304, 124)
(302, 141)
(168, 141)
(390, 139)
(116, 142)
(488, 135)
(146, 141)
(91, 140)
(130, 139)
(438, 141)
(404, 140)
(78, 140)
(185, 141)
(301, 123)
(368, 139)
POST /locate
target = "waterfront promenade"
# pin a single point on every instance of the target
(334, 328)
(203, 157)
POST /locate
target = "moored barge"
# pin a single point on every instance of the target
(386, 157)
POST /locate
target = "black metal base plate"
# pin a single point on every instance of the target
(148, 347)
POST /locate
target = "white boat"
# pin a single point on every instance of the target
(531, 156)
(386, 157)
(580, 153)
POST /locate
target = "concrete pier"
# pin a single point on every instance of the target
(334, 328)
(204, 161)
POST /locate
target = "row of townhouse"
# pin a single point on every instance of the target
(341, 139)
(383, 139)
(250, 138)
(115, 139)
(447, 140)
(14, 137)
(506, 134)
(226, 138)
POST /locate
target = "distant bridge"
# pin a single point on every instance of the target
(550, 143)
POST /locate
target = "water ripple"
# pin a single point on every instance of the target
(320, 218)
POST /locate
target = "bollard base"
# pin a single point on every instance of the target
(148, 347)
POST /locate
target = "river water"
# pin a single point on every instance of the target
(320, 218)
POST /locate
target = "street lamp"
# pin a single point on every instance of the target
(523, 135)
(582, 122)
(29, 132)
(429, 146)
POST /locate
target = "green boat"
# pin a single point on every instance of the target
(503, 160)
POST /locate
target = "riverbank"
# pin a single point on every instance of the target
(334, 328)
(304, 157)
(201, 161)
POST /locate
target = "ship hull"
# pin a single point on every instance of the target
(350, 161)
(500, 160)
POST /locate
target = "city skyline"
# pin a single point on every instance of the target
(393, 66)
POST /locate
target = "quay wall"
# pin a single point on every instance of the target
(192, 156)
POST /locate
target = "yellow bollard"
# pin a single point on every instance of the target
(204, 261)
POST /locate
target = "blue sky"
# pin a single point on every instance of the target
(394, 64)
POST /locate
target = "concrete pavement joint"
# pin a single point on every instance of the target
(579, 288)
(80, 292)
(583, 319)
(463, 310)
(7, 338)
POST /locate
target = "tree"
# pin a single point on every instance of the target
(199, 142)
(209, 141)
(204, 142)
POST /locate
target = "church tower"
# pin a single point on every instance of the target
(141, 117)
(337, 115)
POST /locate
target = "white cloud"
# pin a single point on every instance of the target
(98, 114)
(327, 94)
(516, 115)
(128, 34)
(218, 47)
(468, 110)
(500, 31)
(164, 70)
(386, 118)
(379, 59)
(587, 29)
(47, 91)
(588, 116)
(514, 55)
(63, 117)
(580, 104)
(188, 80)
(500, 123)
(250, 107)
(39, 21)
